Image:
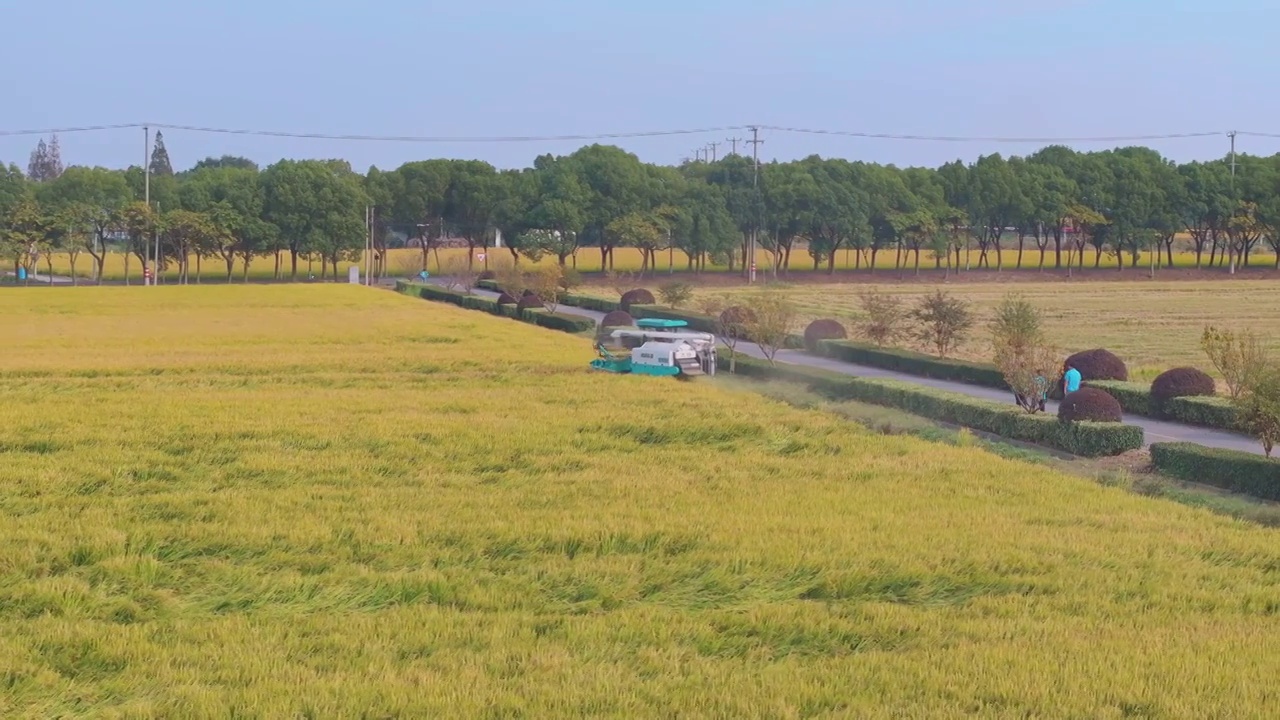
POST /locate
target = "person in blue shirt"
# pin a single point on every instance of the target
(1070, 380)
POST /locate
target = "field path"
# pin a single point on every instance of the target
(1153, 430)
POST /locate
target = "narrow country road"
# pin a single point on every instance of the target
(1153, 430)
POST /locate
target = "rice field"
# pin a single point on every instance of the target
(331, 501)
(408, 261)
(1153, 326)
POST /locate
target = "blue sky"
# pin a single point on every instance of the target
(485, 68)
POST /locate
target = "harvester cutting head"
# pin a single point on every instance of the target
(656, 347)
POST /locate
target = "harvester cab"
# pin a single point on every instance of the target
(656, 347)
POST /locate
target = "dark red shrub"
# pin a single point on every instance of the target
(1099, 364)
(825, 329)
(617, 318)
(531, 301)
(639, 296)
(505, 299)
(1180, 382)
(1090, 404)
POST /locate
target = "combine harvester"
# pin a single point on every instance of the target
(656, 347)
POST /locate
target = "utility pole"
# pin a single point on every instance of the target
(713, 146)
(733, 144)
(146, 184)
(755, 184)
(155, 273)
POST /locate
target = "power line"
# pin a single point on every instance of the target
(381, 138)
(69, 130)
(991, 139)
(623, 135)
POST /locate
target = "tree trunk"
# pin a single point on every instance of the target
(294, 260)
(1022, 239)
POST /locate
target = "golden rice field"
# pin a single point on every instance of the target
(405, 262)
(330, 501)
(1153, 326)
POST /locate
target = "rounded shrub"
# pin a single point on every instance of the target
(1089, 404)
(639, 296)
(486, 275)
(531, 301)
(617, 318)
(824, 329)
(528, 293)
(505, 299)
(1099, 364)
(1181, 382)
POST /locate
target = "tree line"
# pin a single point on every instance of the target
(1056, 208)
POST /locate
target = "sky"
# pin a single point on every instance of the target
(489, 68)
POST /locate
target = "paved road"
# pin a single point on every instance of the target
(1154, 430)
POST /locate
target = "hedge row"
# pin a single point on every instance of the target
(1229, 469)
(1135, 398)
(542, 318)
(571, 299)
(1085, 439)
(913, 363)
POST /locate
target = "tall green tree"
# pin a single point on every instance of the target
(160, 165)
(318, 208)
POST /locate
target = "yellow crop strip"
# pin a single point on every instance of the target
(331, 501)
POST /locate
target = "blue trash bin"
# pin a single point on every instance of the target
(22, 274)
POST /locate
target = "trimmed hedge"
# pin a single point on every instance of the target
(913, 363)
(1135, 398)
(587, 302)
(1213, 412)
(566, 323)
(1083, 438)
(1233, 470)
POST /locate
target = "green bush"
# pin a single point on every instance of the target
(1233, 470)
(913, 363)
(1134, 398)
(566, 323)
(1082, 438)
(488, 284)
(1213, 412)
(587, 302)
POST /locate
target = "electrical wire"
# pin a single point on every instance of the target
(68, 130)
(994, 139)
(624, 135)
